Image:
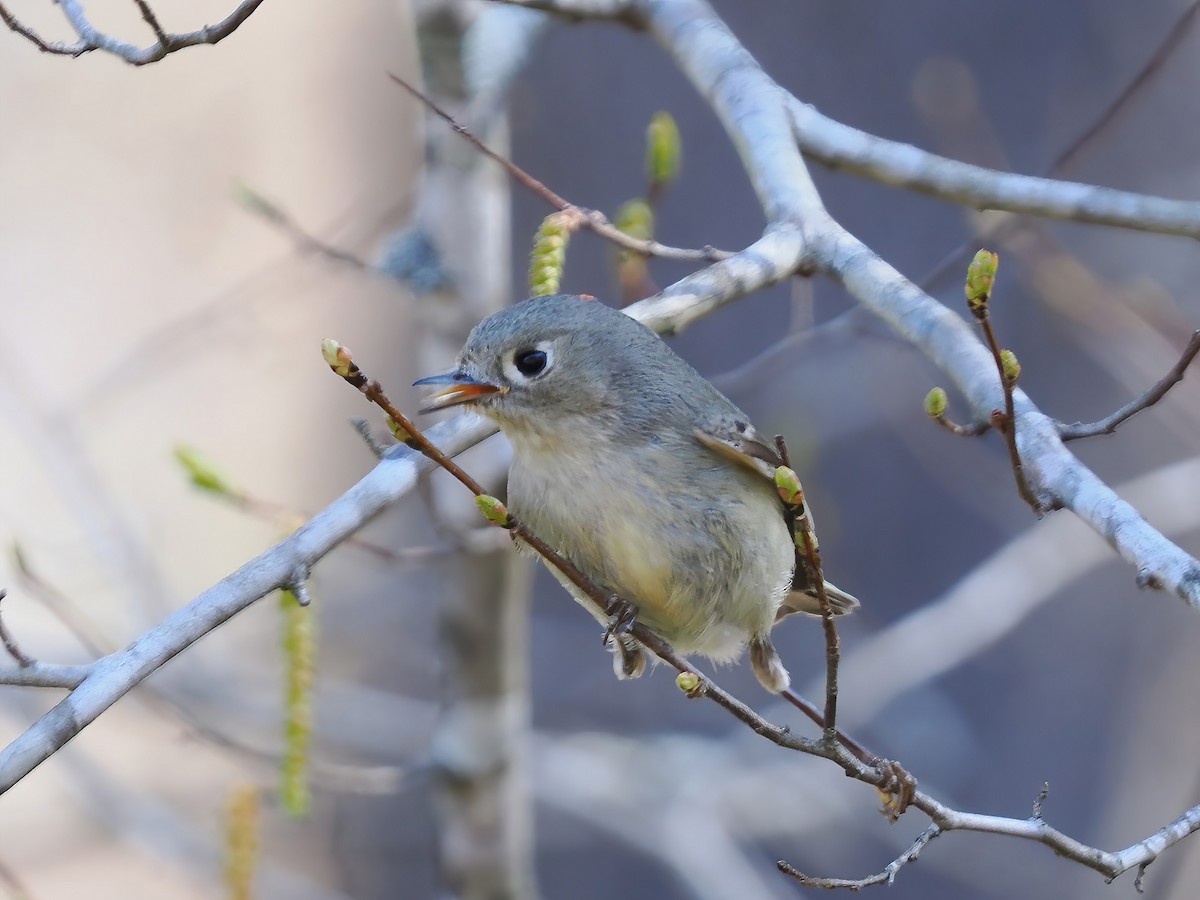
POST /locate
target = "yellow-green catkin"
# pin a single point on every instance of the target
(549, 256)
(636, 219)
(664, 149)
(241, 841)
(299, 651)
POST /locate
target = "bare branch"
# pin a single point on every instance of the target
(37, 674)
(152, 21)
(582, 10)
(1109, 424)
(887, 876)
(92, 39)
(580, 216)
(840, 146)
(304, 241)
(10, 643)
(1056, 477)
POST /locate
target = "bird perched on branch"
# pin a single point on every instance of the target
(637, 470)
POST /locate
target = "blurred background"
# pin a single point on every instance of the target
(159, 286)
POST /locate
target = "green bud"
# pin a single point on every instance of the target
(399, 432)
(549, 256)
(493, 510)
(981, 277)
(338, 357)
(936, 402)
(688, 682)
(787, 482)
(201, 472)
(664, 149)
(1011, 366)
(636, 219)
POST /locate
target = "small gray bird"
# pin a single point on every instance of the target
(642, 474)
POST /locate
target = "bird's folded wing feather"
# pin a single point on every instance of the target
(738, 441)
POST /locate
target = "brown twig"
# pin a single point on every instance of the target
(973, 430)
(592, 219)
(152, 21)
(887, 876)
(1007, 425)
(305, 242)
(10, 643)
(802, 527)
(865, 756)
(1109, 424)
(55, 47)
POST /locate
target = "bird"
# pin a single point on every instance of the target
(632, 466)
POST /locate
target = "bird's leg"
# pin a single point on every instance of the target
(621, 616)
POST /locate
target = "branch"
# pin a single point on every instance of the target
(840, 146)
(1056, 477)
(1109, 424)
(38, 674)
(89, 38)
(887, 876)
(582, 10)
(592, 219)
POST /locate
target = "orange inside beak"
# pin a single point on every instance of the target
(460, 388)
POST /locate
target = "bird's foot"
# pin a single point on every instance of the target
(621, 616)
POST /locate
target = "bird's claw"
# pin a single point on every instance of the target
(621, 616)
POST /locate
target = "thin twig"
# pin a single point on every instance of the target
(152, 21)
(92, 39)
(589, 218)
(1008, 425)
(802, 703)
(973, 430)
(1109, 424)
(812, 555)
(10, 643)
(305, 242)
(887, 876)
(55, 47)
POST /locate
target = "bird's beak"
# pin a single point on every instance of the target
(460, 388)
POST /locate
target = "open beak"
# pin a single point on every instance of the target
(460, 388)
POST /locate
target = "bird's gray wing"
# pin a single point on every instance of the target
(734, 438)
(738, 441)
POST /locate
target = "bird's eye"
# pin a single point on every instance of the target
(530, 363)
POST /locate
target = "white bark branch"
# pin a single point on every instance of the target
(44, 675)
(1052, 471)
(89, 38)
(841, 146)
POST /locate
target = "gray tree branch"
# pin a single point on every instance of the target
(89, 38)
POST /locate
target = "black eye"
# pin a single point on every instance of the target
(530, 362)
